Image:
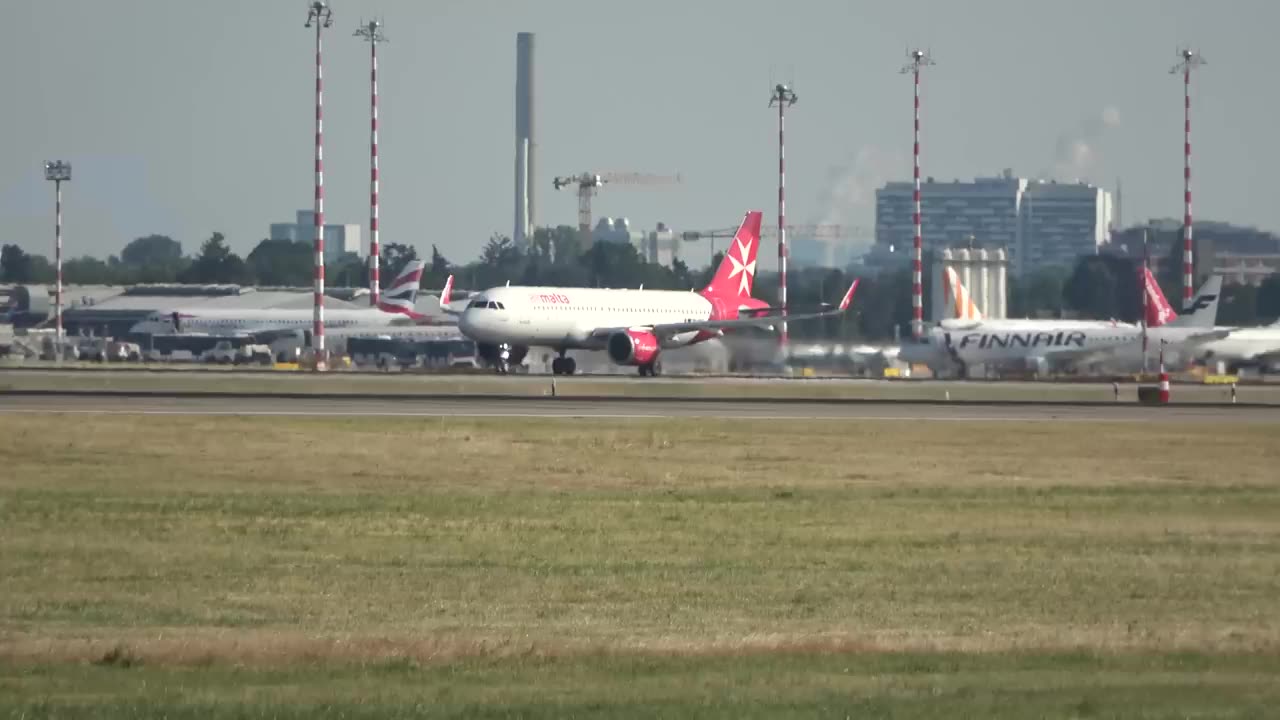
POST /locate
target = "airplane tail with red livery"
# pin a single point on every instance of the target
(736, 275)
(1202, 311)
(1159, 311)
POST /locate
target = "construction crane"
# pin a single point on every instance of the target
(825, 231)
(588, 182)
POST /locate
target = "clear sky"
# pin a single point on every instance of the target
(185, 117)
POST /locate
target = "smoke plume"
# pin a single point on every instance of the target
(849, 191)
(1077, 153)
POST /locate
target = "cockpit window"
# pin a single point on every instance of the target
(478, 304)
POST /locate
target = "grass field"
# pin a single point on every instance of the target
(223, 567)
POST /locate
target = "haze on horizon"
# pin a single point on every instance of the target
(184, 118)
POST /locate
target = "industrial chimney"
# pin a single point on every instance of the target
(526, 146)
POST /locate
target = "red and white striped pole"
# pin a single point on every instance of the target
(57, 259)
(1190, 61)
(322, 16)
(918, 59)
(783, 97)
(372, 32)
(59, 172)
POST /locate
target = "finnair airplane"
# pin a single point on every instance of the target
(1040, 347)
(632, 326)
(394, 307)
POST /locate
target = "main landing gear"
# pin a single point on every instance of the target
(563, 365)
(652, 369)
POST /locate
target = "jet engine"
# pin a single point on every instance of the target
(633, 347)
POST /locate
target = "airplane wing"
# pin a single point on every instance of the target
(668, 329)
(1207, 336)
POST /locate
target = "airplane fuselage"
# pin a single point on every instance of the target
(223, 320)
(565, 318)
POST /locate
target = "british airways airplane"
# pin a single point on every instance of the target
(395, 306)
(632, 326)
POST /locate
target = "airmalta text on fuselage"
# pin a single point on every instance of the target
(1029, 339)
(549, 298)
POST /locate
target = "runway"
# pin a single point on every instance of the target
(532, 408)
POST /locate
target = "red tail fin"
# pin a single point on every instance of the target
(1159, 311)
(737, 272)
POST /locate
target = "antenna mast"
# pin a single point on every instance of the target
(372, 33)
(917, 59)
(784, 97)
(1188, 60)
(319, 14)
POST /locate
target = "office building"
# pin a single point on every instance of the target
(338, 239)
(1038, 223)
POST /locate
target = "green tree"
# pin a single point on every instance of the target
(1268, 301)
(88, 271)
(438, 271)
(1238, 306)
(150, 259)
(216, 264)
(15, 265)
(394, 257)
(284, 263)
(347, 270)
(1039, 294)
(1091, 290)
(152, 250)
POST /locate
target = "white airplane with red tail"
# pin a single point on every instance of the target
(632, 326)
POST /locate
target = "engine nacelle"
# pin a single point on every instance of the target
(632, 347)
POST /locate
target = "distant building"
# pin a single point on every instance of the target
(1061, 222)
(1242, 255)
(660, 246)
(338, 239)
(1038, 223)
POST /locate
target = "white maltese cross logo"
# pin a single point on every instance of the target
(745, 273)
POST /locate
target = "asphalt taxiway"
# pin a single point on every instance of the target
(525, 407)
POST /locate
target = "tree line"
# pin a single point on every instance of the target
(1102, 286)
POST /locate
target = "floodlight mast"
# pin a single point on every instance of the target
(372, 33)
(319, 15)
(1188, 60)
(58, 172)
(784, 97)
(916, 59)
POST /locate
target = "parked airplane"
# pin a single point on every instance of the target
(1238, 347)
(394, 307)
(633, 326)
(1040, 347)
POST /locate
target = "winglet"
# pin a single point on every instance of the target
(848, 296)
